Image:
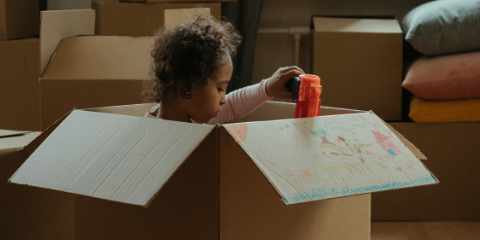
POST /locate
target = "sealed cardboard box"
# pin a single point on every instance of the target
(19, 19)
(140, 19)
(452, 149)
(19, 68)
(360, 63)
(268, 177)
(28, 213)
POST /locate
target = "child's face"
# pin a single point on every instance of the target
(207, 100)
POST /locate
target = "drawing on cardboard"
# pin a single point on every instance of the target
(352, 154)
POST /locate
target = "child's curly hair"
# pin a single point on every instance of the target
(187, 56)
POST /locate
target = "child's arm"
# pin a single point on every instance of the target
(242, 102)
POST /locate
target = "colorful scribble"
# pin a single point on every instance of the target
(386, 143)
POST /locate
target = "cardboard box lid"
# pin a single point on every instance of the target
(356, 25)
(13, 141)
(116, 157)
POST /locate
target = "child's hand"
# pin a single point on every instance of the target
(276, 84)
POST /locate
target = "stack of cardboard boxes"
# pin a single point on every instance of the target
(19, 21)
(24, 213)
(360, 62)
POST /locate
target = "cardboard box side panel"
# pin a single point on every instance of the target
(452, 150)
(58, 25)
(22, 19)
(18, 85)
(366, 78)
(250, 208)
(139, 19)
(32, 213)
(60, 96)
(3, 20)
(185, 208)
(99, 57)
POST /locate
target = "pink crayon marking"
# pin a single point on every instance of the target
(239, 131)
(386, 143)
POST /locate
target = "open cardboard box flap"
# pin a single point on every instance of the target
(14, 141)
(106, 154)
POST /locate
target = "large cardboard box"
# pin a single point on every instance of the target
(19, 69)
(19, 19)
(140, 19)
(28, 213)
(83, 70)
(452, 149)
(360, 63)
(222, 182)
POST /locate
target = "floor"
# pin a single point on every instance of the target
(426, 231)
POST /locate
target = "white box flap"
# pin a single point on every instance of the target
(330, 156)
(110, 156)
(12, 141)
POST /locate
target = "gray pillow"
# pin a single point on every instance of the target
(444, 26)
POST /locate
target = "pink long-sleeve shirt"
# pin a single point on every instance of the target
(238, 104)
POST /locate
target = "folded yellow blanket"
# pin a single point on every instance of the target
(445, 111)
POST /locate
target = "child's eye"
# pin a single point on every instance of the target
(220, 89)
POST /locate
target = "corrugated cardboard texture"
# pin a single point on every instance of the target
(360, 66)
(250, 208)
(95, 71)
(134, 19)
(185, 208)
(19, 19)
(452, 149)
(19, 100)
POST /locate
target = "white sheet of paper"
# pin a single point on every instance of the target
(331, 156)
